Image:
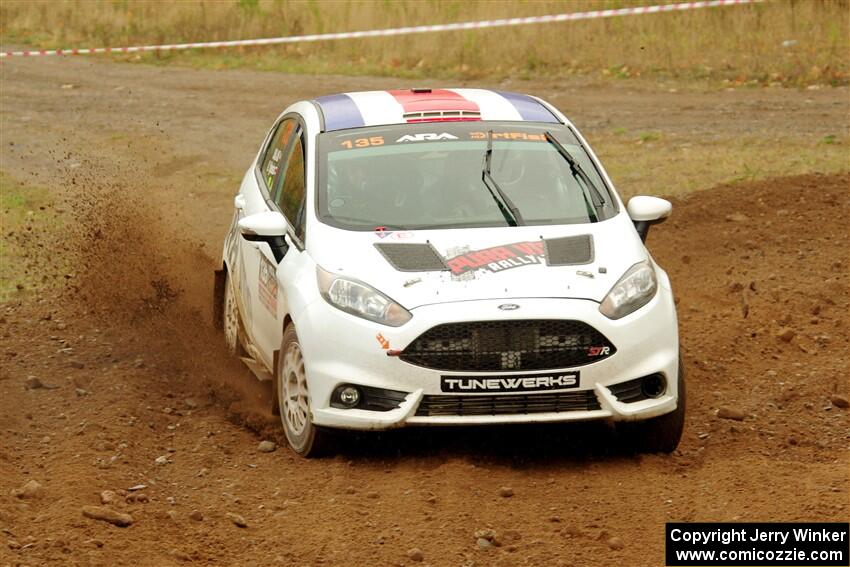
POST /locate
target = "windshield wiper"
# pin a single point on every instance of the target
(580, 175)
(508, 208)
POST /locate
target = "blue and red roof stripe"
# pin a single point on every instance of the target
(528, 107)
(341, 111)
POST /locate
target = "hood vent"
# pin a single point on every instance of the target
(569, 251)
(412, 257)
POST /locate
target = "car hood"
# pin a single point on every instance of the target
(483, 263)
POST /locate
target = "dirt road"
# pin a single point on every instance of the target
(137, 390)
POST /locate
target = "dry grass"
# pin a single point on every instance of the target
(679, 167)
(784, 41)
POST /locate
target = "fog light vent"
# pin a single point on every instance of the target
(349, 396)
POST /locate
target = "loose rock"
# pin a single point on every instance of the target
(615, 543)
(32, 489)
(506, 492)
(161, 460)
(108, 497)
(196, 515)
(786, 334)
(489, 536)
(725, 412)
(839, 401)
(33, 383)
(416, 554)
(237, 520)
(266, 446)
(107, 515)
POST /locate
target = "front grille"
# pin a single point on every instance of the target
(484, 346)
(583, 400)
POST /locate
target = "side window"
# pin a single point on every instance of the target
(290, 198)
(275, 158)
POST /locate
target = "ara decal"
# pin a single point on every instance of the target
(426, 137)
(498, 258)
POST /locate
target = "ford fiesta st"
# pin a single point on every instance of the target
(446, 257)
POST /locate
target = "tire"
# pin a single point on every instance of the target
(660, 434)
(230, 318)
(293, 398)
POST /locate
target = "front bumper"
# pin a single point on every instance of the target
(342, 349)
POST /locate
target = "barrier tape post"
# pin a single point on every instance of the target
(571, 16)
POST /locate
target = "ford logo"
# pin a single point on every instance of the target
(509, 307)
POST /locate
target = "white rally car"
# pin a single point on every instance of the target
(446, 257)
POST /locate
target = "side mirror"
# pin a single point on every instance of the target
(647, 211)
(269, 227)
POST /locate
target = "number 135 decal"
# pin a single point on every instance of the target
(363, 142)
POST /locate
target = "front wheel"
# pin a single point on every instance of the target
(231, 317)
(660, 434)
(293, 397)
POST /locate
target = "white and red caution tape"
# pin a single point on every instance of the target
(568, 17)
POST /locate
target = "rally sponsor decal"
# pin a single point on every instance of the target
(522, 136)
(383, 341)
(268, 285)
(426, 137)
(522, 383)
(382, 233)
(498, 258)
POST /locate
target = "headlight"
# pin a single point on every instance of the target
(360, 299)
(631, 292)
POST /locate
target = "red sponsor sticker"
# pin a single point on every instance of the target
(499, 258)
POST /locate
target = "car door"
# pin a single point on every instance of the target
(256, 291)
(287, 195)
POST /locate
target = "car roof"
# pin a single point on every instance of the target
(405, 106)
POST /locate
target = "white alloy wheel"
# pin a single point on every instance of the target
(295, 400)
(293, 396)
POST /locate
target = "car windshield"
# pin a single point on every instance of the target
(431, 175)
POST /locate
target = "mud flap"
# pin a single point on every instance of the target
(218, 297)
(275, 402)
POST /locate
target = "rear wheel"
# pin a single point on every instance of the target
(293, 398)
(660, 434)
